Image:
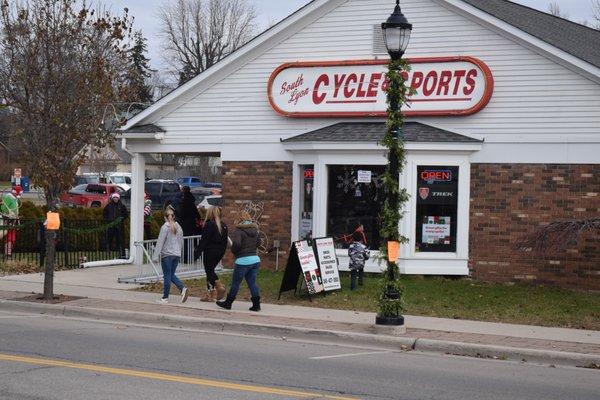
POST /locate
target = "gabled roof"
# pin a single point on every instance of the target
(373, 132)
(575, 39)
(564, 40)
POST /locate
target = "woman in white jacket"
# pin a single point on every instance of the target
(168, 248)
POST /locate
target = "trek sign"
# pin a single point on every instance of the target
(444, 86)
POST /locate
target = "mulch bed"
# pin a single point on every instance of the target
(39, 298)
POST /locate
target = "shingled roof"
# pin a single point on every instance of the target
(374, 132)
(150, 128)
(575, 39)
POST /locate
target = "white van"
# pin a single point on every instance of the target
(123, 179)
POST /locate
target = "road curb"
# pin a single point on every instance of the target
(287, 332)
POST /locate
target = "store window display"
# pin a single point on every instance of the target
(354, 202)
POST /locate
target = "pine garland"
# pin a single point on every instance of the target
(397, 96)
(25, 224)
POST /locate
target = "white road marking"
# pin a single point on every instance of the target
(20, 316)
(349, 355)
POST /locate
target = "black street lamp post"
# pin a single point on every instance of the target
(396, 32)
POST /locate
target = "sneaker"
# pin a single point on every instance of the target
(162, 301)
(184, 295)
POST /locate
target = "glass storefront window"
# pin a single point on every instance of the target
(355, 197)
(437, 205)
(307, 173)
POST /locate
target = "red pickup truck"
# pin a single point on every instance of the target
(89, 195)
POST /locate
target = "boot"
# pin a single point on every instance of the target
(227, 303)
(221, 291)
(255, 303)
(209, 296)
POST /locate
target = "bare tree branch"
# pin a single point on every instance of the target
(554, 9)
(596, 14)
(557, 235)
(199, 33)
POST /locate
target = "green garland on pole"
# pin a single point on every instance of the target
(397, 96)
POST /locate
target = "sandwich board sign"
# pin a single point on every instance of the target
(328, 263)
(302, 261)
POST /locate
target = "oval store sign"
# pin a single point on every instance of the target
(444, 85)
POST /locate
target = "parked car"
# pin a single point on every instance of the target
(161, 192)
(190, 181)
(213, 200)
(200, 193)
(85, 179)
(123, 179)
(94, 195)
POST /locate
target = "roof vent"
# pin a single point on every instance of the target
(378, 41)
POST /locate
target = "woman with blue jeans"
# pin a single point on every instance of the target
(245, 242)
(168, 248)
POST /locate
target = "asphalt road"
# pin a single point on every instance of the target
(45, 357)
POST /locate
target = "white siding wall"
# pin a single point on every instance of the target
(535, 99)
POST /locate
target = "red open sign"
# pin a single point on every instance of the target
(442, 175)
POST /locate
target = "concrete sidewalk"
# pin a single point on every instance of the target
(105, 299)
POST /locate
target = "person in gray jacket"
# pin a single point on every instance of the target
(168, 248)
(245, 242)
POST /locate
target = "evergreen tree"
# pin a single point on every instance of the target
(140, 71)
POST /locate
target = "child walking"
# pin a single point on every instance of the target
(168, 248)
(358, 253)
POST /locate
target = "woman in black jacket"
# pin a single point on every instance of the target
(245, 243)
(187, 217)
(212, 247)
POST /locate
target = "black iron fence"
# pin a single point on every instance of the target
(77, 241)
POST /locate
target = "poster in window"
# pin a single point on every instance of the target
(437, 207)
(436, 230)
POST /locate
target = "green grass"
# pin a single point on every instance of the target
(441, 297)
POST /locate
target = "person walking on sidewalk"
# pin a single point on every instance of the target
(211, 247)
(358, 254)
(168, 249)
(245, 242)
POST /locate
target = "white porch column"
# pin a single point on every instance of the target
(136, 234)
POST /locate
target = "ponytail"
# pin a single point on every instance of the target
(170, 218)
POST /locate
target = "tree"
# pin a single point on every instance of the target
(139, 74)
(596, 14)
(199, 33)
(554, 9)
(61, 65)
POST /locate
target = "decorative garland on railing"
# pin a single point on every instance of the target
(397, 96)
(31, 222)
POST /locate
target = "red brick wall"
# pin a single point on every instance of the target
(269, 183)
(510, 200)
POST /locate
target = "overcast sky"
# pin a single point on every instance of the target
(271, 11)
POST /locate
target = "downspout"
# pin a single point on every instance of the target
(119, 261)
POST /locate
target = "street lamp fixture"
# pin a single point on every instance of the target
(396, 32)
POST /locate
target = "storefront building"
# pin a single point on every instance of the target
(503, 134)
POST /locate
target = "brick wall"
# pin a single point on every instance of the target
(510, 200)
(269, 183)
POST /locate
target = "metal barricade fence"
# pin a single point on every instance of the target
(150, 271)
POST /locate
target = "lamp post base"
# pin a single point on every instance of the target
(389, 321)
